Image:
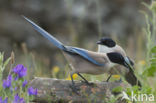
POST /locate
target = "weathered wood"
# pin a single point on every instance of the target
(58, 90)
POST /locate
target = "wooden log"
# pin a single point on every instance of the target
(52, 90)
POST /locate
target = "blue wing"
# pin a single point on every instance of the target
(83, 53)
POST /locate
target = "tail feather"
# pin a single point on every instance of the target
(46, 34)
(132, 79)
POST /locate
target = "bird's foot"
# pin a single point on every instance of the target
(74, 89)
(106, 80)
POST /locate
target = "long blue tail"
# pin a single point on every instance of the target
(46, 34)
(83, 53)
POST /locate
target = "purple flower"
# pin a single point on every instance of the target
(32, 91)
(16, 78)
(10, 77)
(15, 88)
(1, 100)
(5, 100)
(17, 99)
(22, 100)
(7, 82)
(24, 83)
(20, 70)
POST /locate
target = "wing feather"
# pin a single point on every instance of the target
(84, 53)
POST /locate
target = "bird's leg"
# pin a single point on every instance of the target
(120, 80)
(85, 79)
(74, 88)
(109, 78)
(73, 83)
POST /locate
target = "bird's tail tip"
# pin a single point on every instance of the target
(132, 79)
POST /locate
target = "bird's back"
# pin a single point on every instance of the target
(81, 65)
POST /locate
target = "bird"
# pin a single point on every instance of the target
(83, 60)
(106, 45)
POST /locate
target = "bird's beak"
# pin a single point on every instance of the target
(98, 42)
(127, 63)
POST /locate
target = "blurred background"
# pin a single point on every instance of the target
(74, 22)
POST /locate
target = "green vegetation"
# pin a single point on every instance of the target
(145, 69)
(14, 88)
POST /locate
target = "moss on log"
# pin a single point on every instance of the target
(52, 90)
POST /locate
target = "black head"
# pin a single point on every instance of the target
(119, 59)
(107, 42)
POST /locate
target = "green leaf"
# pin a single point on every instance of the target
(1, 59)
(135, 88)
(153, 60)
(153, 50)
(153, 64)
(6, 62)
(151, 71)
(128, 91)
(147, 90)
(117, 89)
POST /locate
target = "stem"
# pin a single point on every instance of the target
(154, 25)
(10, 69)
(148, 37)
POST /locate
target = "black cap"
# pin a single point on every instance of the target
(106, 41)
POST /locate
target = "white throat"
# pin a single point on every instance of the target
(105, 49)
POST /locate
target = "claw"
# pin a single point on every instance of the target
(74, 89)
(88, 83)
(85, 81)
